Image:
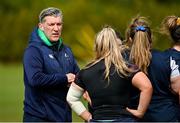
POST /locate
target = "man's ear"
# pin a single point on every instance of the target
(41, 26)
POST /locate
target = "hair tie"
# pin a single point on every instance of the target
(140, 28)
(178, 21)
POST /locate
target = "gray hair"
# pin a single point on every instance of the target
(51, 11)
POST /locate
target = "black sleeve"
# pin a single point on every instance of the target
(135, 70)
(79, 80)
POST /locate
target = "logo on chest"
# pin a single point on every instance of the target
(66, 55)
(51, 56)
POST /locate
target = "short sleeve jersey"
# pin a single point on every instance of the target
(174, 57)
(116, 91)
(163, 103)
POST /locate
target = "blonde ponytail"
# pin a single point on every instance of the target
(139, 41)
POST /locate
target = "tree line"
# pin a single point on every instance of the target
(82, 20)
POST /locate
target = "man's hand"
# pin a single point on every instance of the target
(70, 77)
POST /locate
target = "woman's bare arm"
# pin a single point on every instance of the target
(141, 81)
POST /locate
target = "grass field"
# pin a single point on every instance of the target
(12, 94)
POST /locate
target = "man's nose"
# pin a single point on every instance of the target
(56, 27)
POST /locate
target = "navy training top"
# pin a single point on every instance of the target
(45, 80)
(163, 105)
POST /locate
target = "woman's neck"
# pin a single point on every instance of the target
(176, 47)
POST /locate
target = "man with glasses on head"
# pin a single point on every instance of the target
(49, 69)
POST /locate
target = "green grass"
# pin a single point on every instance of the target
(12, 94)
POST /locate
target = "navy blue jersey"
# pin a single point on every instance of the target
(163, 106)
(174, 62)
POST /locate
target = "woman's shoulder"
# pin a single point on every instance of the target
(156, 52)
(158, 55)
(93, 65)
(173, 53)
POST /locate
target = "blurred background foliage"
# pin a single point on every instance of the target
(82, 20)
